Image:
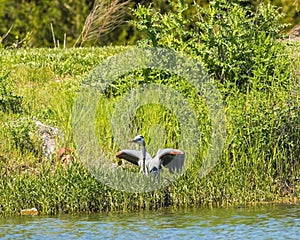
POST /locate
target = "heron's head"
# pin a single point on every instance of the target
(139, 139)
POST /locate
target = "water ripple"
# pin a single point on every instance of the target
(267, 222)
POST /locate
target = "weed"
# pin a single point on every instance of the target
(9, 101)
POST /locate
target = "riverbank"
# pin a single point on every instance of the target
(259, 163)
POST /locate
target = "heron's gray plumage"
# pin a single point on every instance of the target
(170, 158)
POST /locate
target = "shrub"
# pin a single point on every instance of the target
(237, 45)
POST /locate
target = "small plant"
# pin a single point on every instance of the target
(23, 133)
(8, 100)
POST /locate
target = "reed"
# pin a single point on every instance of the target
(104, 17)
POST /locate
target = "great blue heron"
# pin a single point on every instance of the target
(170, 158)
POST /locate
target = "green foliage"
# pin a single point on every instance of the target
(235, 41)
(30, 21)
(34, 18)
(260, 161)
(9, 101)
(24, 135)
(236, 44)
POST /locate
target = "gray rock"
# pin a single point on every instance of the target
(49, 136)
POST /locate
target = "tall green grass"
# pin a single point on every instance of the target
(258, 163)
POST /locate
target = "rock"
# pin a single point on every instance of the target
(294, 34)
(49, 135)
(31, 211)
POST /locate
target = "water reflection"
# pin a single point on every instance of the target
(280, 221)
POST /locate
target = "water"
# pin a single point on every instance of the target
(264, 222)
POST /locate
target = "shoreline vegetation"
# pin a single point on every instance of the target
(256, 73)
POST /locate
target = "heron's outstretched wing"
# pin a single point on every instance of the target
(171, 158)
(132, 156)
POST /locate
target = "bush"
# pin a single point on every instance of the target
(237, 45)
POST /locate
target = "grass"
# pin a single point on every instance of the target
(259, 163)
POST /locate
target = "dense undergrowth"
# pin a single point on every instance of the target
(255, 71)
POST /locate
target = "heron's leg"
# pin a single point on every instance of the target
(144, 165)
(141, 169)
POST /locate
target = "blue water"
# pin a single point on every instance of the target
(264, 222)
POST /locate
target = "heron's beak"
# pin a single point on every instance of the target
(133, 140)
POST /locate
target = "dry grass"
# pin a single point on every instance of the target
(105, 16)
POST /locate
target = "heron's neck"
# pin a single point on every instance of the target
(144, 157)
(144, 150)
